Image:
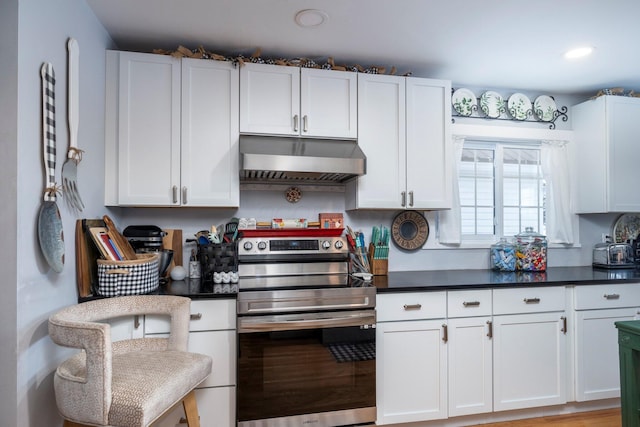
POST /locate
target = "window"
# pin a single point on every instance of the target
(502, 190)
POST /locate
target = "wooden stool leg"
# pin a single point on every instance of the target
(190, 406)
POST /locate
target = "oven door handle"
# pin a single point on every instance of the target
(290, 322)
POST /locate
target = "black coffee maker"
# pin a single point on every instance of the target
(148, 238)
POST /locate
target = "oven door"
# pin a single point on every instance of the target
(307, 369)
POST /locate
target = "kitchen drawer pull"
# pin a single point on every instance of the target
(532, 300)
(196, 316)
(305, 123)
(412, 306)
(175, 193)
(184, 195)
(471, 303)
(612, 296)
(404, 199)
(295, 123)
(490, 328)
(445, 333)
(411, 198)
(564, 325)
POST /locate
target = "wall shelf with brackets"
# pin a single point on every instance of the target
(518, 107)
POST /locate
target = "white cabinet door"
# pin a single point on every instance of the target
(470, 359)
(328, 103)
(606, 131)
(404, 129)
(597, 362)
(209, 166)
(428, 151)
(411, 365)
(382, 137)
(148, 128)
(529, 353)
(269, 99)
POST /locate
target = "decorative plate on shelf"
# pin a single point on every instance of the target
(626, 227)
(519, 106)
(464, 101)
(545, 107)
(410, 230)
(492, 104)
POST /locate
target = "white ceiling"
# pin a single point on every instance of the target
(488, 44)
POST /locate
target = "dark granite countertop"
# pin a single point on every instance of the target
(412, 281)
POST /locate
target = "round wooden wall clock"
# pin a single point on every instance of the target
(410, 230)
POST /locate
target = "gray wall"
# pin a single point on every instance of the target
(32, 32)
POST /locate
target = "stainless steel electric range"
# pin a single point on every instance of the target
(306, 332)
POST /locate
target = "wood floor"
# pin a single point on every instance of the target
(604, 418)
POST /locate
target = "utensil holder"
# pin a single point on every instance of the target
(379, 266)
(217, 258)
(132, 277)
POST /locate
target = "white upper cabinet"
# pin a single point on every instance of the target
(404, 130)
(279, 100)
(171, 131)
(606, 133)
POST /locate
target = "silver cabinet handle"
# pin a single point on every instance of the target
(175, 193)
(295, 123)
(471, 303)
(612, 296)
(184, 195)
(445, 333)
(412, 306)
(404, 199)
(196, 316)
(411, 198)
(531, 300)
(564, 325)
(305, 123)
(490, 329)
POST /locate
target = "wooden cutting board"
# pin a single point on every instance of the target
(173, 241)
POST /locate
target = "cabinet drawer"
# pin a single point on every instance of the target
(206, 315)
(607, 296)
(469, 303)
(528, 300)
(411, 306)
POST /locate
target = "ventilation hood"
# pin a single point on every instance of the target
(274, 158)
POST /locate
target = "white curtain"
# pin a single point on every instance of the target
(555, 170)
(449, 222)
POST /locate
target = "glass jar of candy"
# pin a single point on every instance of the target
(531, 251)
(503, 256)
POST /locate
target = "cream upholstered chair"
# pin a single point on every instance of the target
(131, 382)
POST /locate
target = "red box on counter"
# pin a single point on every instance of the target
(331, 220)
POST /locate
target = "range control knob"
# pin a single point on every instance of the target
(326, 244)
(262, 246)
(338, 244)
(247, 246)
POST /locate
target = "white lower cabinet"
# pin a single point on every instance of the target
(470, 352)
(211, 332)
(597, 364)
(411, 357)
(529, 349)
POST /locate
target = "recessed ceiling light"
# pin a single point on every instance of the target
(311, 18)
(579, 52)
